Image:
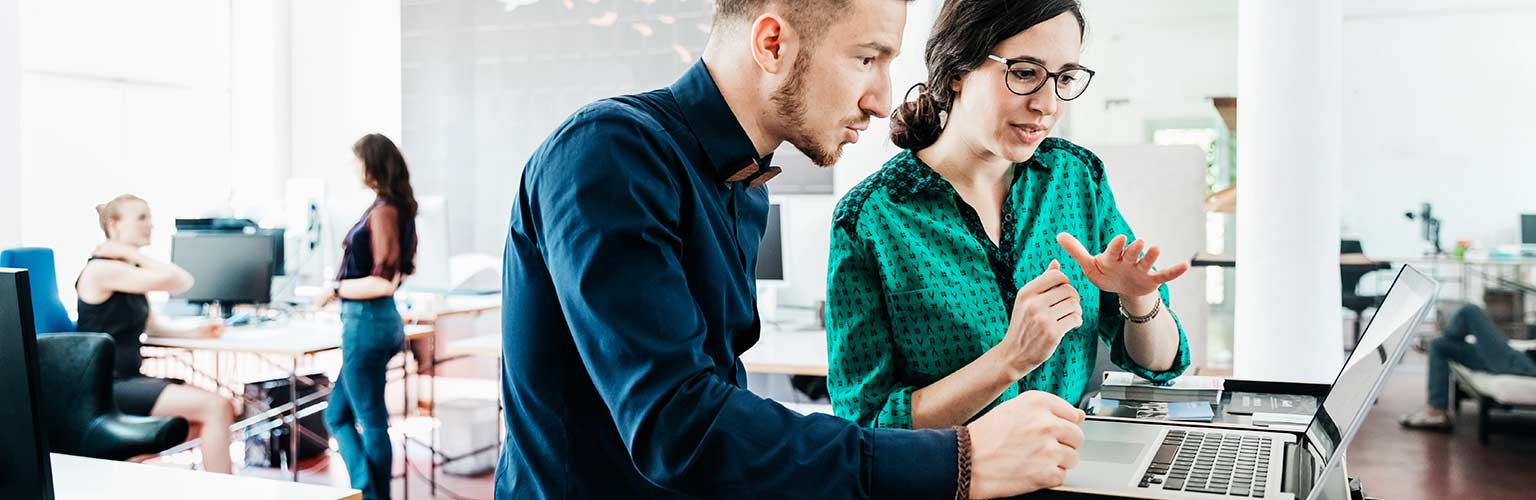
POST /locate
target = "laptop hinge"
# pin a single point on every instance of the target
(1300, 472)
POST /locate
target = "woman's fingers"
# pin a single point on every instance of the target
(1171, 273)
(1133, 251)
(1076, 250)
(1145, 265)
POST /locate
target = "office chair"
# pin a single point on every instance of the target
(47, 311)
(83, 419)
(1349, 278)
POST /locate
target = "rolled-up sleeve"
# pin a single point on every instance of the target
(609, 226)
(861, 371)
(1109, 223)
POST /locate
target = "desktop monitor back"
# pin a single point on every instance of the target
(229, 268)
(770, 251)
(25, 466)
(1528, 229)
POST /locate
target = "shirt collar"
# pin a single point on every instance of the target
(731, 153)
(909, 176)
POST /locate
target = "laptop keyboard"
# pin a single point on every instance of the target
(1210, 462)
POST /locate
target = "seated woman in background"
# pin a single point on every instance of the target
(958, 275)
(111, 292)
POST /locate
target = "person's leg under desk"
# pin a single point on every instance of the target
(212, 415)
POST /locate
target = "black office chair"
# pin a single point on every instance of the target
(1349, 278)
(83, 419)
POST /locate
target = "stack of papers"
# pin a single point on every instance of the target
(1191, 411)
(1192, 388)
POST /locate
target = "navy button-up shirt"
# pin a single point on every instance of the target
(628, 299)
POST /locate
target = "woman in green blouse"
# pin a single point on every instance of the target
(958, 274)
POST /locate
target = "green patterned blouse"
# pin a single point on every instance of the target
(916, 290)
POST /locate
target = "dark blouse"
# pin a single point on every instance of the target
(377, 245)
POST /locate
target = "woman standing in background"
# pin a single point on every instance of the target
(378, 253)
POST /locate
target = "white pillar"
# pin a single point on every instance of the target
(261, 140)
(1289, 319)
(10, 124)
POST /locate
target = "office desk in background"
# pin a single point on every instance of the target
(1345, 260)
(792, 351)
(425, 309)
(295, 340)
(80, 478)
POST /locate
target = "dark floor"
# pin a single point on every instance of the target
(1397, 464)
(1392, 463)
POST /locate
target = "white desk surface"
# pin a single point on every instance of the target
(452, 305)
(79, 478)
(484, 345)
(292, 338)
(788, 352)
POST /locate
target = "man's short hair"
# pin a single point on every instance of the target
(809, 17)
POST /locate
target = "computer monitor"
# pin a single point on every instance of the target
(26, 472)
(237, 226)
(1528, 229)
(770, 252)
(279, 260)
(229, 268)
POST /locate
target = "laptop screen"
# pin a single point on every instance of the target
(1381, 346)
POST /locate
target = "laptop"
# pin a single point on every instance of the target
(1169, 460)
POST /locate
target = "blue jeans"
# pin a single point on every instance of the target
(1488, 351)
(371, 334)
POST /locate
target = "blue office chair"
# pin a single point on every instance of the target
(48, 312)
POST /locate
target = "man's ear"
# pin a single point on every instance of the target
(769, 35)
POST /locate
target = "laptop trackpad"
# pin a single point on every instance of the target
(1114, 452)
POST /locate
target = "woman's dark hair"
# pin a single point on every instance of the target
(384, 172)
(963, 36)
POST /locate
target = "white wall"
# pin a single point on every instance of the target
(1438, 107)
(10, 132)
(120, 98)
(1157, 63)
(1169, 217)
(261, 140)
(200, 107)
(345, 82)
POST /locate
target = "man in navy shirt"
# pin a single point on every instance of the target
(629, 289)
